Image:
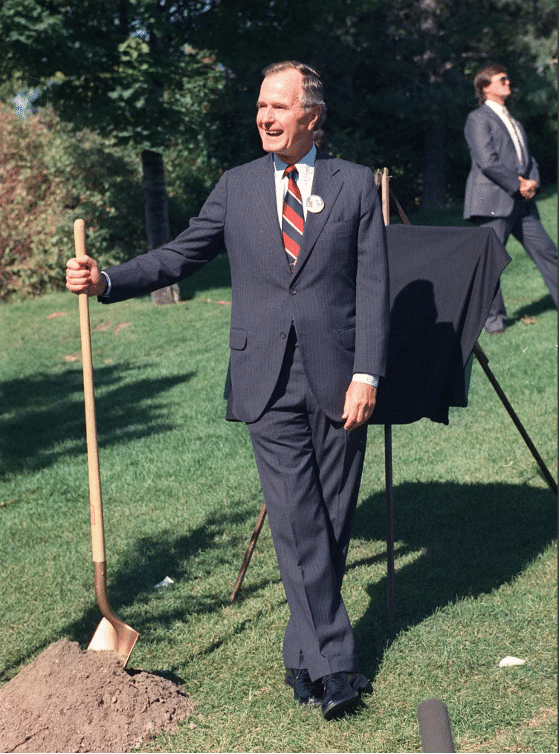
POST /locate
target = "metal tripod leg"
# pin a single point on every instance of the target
(248, 553)
(391, 608)
(483, 361)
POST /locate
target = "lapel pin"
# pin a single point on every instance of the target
(314, 203)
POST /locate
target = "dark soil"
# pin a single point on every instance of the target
(68, 700)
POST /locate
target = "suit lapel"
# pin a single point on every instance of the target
(261, 193)
(496, 118)
(327, 184)
(504, 129)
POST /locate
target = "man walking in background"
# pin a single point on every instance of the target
(502, 183)
(308, 338)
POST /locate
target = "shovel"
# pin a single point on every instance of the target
(112, 634)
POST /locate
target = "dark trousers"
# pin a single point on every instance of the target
(525, 225)
(310, 470)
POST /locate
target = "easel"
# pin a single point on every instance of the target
(382, 182)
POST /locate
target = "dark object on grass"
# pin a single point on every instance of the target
(435, 729)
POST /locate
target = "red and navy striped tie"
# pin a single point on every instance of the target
(292, 217)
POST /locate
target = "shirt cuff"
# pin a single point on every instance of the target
(369, 379)
(108, 279)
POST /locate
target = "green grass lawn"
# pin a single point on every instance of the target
(475, 527)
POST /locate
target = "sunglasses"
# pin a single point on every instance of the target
(504, 79)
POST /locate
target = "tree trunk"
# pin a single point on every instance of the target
(435, 177)
(158, 231)
(434, 192)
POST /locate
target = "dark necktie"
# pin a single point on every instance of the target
(292, 217)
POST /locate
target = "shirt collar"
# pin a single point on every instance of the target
(308, 161)
(496, 107)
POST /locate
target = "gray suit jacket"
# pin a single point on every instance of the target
(493, 181)
(337, 297)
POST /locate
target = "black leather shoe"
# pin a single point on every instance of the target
(338, 695)
(306, 691)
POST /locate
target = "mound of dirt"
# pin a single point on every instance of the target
(68, 700)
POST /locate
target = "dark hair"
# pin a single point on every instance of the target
(312, 86)
(483, 79)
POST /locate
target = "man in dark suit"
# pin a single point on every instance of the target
(308, 336)
(503, 181)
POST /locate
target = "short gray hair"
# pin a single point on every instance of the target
(311, 88)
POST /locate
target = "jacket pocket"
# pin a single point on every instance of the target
(348, 337)
(237, 339)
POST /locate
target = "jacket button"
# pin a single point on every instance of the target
(293, 291)
(282, 335)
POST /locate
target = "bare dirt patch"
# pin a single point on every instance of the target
(68, 700)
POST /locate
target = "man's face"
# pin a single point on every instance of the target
(285, 127)
(498, 89)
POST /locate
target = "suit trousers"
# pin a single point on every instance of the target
(310, 470)
(525, 225)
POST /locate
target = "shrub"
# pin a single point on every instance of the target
(49, 176)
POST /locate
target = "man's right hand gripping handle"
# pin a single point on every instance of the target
(83, 276)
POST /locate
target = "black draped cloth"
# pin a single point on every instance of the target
(442, 282)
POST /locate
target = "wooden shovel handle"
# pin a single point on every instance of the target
(95, 502)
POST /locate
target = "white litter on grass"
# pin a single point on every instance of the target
(508, 661)
(165, 582)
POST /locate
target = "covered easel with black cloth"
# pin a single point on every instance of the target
(442, 281)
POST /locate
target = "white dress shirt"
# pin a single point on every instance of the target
(511, 124)
(306, 171)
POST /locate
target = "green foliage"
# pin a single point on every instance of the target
(398, 76)
(50, 175)
(128, 75)
(192, 164)
(395, 72)
(124, 71)
(397, 68)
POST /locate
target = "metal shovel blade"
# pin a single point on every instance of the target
(107, 638)
(112, 634)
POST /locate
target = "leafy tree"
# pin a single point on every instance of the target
(49, 175)
(399, 79)
(398, 75)
(119, 68)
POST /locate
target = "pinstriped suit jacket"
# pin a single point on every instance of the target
(493, 181)
(337, 297)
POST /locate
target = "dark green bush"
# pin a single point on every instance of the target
(49, 176)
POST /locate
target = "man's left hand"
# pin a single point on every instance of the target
(358, 404)
(528, 187)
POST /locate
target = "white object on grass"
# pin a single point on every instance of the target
(165, 582)
(509, 661)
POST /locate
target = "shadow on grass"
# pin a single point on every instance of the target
(42, 418)
(184, 558)
(463, 541)
(453, 541)
(533, 309)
